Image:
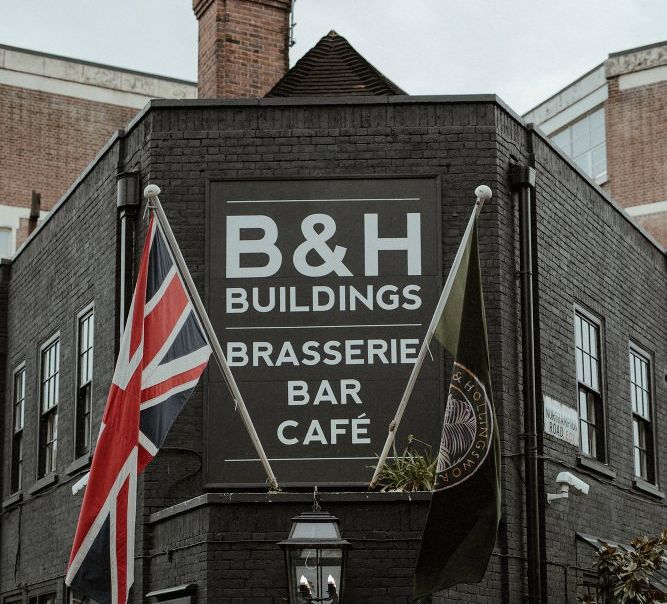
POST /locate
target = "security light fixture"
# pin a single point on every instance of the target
(567, 481)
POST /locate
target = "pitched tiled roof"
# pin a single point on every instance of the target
(333, 68)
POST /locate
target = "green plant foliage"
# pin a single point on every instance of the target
(412, 470)
(624, 577)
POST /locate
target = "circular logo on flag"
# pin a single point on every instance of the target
(467, 430)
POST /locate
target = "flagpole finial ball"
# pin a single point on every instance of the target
(483, 193)
(151, 191)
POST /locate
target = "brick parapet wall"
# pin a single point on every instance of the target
(48, 139)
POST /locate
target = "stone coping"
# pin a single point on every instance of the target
(208, 499)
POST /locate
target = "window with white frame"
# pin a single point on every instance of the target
(48, 406)
(84, 386)
(642, 425)
(18, 399)
(589, 386)
(585, 142)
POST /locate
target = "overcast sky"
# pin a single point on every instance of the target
(522, 50)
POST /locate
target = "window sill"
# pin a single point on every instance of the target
(43, 482)
(78, 464)
(12, 500)
(647, 487)
(596, 466)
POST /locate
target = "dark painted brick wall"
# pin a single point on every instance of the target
(68, 264)
(588, 253)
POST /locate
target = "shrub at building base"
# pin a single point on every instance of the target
(625, 576)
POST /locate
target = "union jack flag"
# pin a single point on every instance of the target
(163, 352)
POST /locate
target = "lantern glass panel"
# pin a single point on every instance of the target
(316, 565)
(315, 530)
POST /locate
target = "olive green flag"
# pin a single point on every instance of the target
(464, 513)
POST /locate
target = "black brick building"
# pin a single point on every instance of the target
(592, 262)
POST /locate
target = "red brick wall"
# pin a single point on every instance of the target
(637, 151)
(243, 46)
(46, 140)
(636, 147)
(656, 224)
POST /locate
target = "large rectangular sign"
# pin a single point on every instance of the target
(320, 292)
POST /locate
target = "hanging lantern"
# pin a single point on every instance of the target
(315, 556)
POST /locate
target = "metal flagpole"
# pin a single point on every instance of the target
(483, 194)
(151, 193)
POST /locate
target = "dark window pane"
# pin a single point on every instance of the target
(83, 419)
(85, 376)
(592, 411)
(17, 462)
(592, 442)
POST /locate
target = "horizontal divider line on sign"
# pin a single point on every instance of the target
(327, 200)
(303, 458)
(328, 326)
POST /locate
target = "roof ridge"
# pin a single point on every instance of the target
(333, 67)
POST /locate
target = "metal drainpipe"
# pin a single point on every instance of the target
(523, 183)
(128, 202)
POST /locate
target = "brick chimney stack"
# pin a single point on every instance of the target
(243, 46)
